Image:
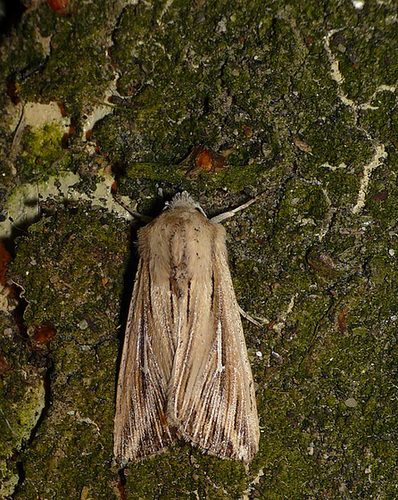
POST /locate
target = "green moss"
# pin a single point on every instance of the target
(365, 57)
(22, 400)
(191, 472)
(48, 265)
(77, 427)
(303, 207)
(41, 149)
(25, 49)
(171, 111)
(143, 181)
(380, 121)
(381, 200)
(77, 40)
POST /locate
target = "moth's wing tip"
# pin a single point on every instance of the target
(244, 453)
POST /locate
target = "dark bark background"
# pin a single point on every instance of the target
(300, 99)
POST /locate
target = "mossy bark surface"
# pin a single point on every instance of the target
(301, 99)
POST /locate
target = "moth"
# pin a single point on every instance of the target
(184, 370)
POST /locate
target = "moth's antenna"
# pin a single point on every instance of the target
(231, 213)
(142, 218)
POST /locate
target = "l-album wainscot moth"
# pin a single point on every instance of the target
(184, 370)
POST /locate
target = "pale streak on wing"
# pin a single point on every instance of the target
(140, 427)
(211, 397)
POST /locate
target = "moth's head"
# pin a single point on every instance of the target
(184, 200)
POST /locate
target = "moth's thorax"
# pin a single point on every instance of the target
(180, 245)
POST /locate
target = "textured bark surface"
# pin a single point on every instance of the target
(301, 100)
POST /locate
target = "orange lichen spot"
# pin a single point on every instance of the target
(5, 258)
(4, 366)
(58, 6)
(342, 320)
(43, 333)
(209, 160)
(248, 131)
(204, 160)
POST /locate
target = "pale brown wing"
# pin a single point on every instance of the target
(140, 427)
(211, 395)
